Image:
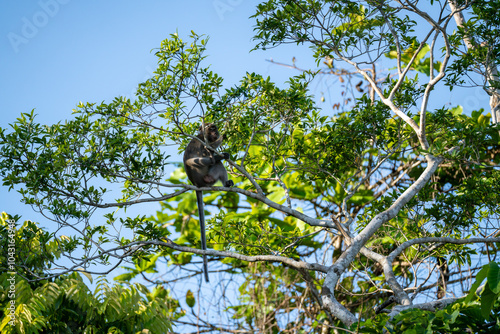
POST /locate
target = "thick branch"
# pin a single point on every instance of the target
(443, 240)
(360, 240)
(133, 247)
(268, 202)
(299, 265)
(430, 306)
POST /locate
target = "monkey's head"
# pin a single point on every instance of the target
(210, 132)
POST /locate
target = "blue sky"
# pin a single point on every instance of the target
(55, 53)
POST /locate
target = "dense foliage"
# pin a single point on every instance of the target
(382, 215)
(66, 304)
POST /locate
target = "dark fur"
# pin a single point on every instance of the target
(204, 168)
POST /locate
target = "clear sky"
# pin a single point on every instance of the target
(55, 53)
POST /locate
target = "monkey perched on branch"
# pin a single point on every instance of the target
(204, 168)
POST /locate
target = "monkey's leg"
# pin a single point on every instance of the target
(218, 172)
(201, 211)
(200, 162)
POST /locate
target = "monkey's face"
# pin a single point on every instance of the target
(211, 132)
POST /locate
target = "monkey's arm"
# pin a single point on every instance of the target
(222, 156)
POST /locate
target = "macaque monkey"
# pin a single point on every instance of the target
(204, 167)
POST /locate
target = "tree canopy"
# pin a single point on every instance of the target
(379, 212)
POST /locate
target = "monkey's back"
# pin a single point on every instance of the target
(194, 165)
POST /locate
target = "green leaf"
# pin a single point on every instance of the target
(88, 275)
(190, 301)
(494, 277)
(126, 277)
(488, 298)
(481, 275)
(410, 331)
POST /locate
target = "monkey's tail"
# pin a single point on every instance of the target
(201, 211)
